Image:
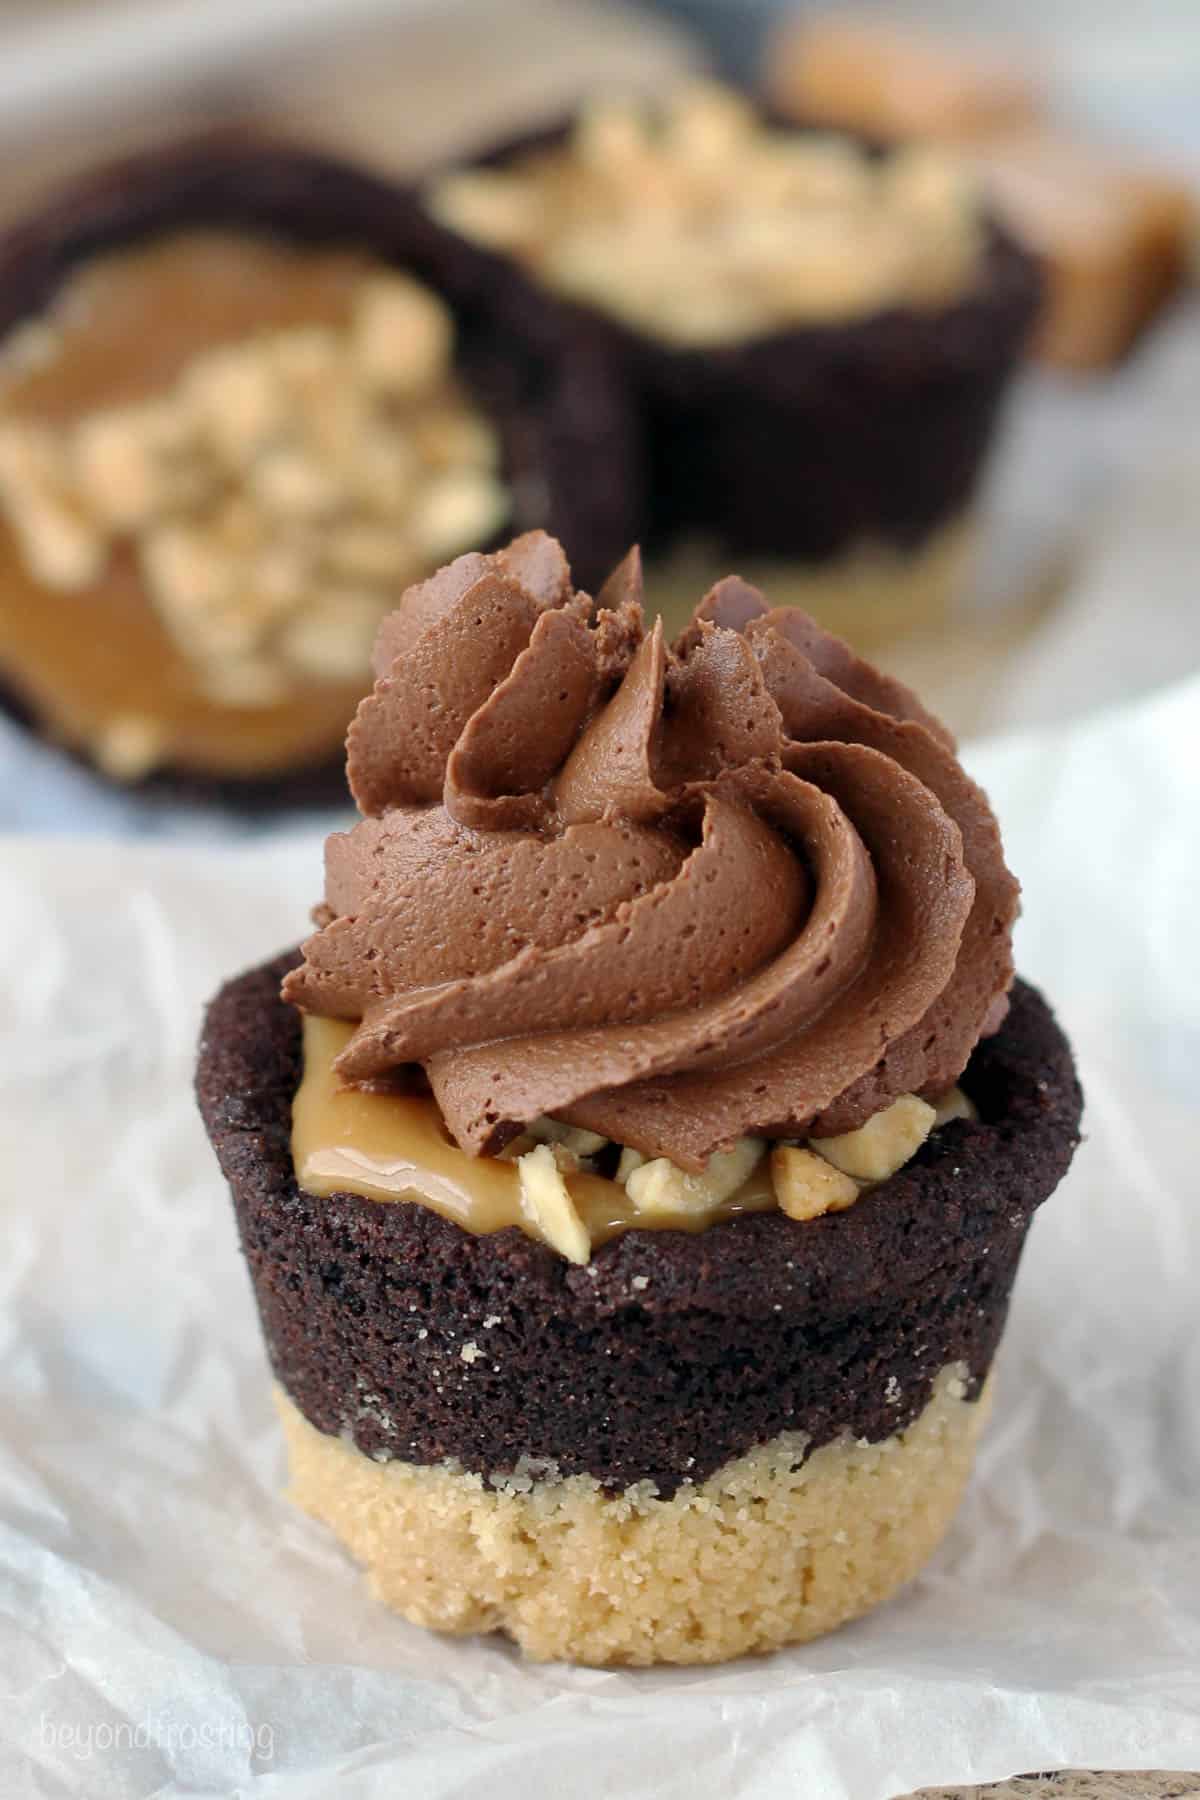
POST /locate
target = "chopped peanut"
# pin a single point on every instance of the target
(884, 1144)
(403, 335)
(463, 506)
(630, 1160)
(807, 1186)
(572, 1141)
(61, 544)
(130, 746)
(547, 1202)
(953, 1105)
(661, 1187)
(237, 395)
(132, 463)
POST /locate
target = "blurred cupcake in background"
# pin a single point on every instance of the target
(817, 333)
(247, 396)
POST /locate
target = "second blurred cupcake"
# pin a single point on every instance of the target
(818, 335)
(247, 395)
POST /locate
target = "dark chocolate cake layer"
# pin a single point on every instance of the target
(569, 444)
(669, 1353)
(805, 442)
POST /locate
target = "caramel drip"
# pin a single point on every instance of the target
(394, 1147)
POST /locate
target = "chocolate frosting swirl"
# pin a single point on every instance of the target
(675, 895)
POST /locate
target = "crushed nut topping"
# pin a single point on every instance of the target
(826, 1175)
(277, 498)
(700, 224)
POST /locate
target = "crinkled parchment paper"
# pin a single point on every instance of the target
(168, 1626)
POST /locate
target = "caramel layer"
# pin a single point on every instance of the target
(394, 1147)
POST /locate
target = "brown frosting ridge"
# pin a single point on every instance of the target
(675, 895)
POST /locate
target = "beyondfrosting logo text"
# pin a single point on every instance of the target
(171, 1736)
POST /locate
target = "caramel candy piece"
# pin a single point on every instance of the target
(1113, 234)
(862, 74)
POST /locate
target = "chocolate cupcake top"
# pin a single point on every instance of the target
(673, 896)
(698, 223)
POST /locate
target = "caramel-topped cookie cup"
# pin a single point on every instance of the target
(818, 332)
(634, 1165)
(247, 395)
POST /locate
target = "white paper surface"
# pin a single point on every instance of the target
(168, 1626)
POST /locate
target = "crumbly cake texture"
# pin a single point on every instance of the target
(714, 419)
(669, 1355)
(569, 440)
(776, 1547)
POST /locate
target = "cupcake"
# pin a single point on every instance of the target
(633, 1168)
(247, 397)
(818, 335)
